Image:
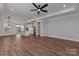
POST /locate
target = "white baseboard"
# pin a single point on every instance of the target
(6, 34)
(76, 40)
(71, 39)
(9, 34)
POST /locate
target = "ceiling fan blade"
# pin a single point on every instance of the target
(44, 6)
(38, 12)
(35, 5)
(34, 10)
(44, 10)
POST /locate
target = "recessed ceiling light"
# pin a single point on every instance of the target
(12, 9)
(64, 5)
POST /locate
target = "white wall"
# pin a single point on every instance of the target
(62, 27)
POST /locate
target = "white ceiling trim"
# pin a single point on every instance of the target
(53, 14)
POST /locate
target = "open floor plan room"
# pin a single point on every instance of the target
(39, 29)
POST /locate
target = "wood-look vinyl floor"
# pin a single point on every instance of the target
(37, 46)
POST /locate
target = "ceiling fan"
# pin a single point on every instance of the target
(39, 8)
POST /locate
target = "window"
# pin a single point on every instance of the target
(7, 27)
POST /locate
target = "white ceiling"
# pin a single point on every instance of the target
(21, 10)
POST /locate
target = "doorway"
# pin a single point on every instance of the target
(34, 31)
(38, 28)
